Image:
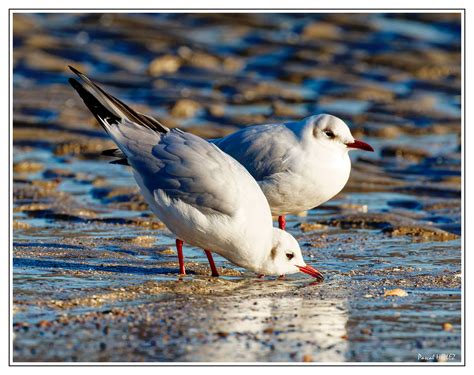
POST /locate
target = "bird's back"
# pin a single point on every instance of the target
(262, 149)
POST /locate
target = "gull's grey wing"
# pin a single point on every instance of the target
(190, 169)
(183, 166)
(261, 149)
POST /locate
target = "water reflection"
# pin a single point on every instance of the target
(276, 327)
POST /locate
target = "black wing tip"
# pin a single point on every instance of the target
(95, 106)
(140, 119)
(110, 152)
(83, 93)
(73, 82)
(120, 162)
(74, 70)
(76, 85)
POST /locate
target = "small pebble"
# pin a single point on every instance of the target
(20, 225)
(308, 227)
(44, 324)
(185, 108)
(447, 326)
(144, 240)
(167, 251)
(164, 64)
(395, 293)
(27, 167)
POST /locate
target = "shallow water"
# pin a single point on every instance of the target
(95, 274)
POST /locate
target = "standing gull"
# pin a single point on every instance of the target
(299, 165)
(204, 196)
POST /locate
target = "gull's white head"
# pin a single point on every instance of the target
(285, 257)
(331, 133)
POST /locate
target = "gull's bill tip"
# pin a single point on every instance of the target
(311, 271)
(360, 145)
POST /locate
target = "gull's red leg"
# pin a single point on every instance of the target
(211, 263)
(179, 247)
(281, 222)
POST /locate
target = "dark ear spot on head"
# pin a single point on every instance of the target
(273, 252)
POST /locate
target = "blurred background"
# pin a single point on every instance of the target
(81, 229)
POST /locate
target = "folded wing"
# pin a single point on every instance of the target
(182, 165)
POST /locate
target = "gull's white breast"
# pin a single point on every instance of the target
(307, 184)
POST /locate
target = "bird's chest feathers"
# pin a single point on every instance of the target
(309, 183)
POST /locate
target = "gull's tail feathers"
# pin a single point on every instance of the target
(128, 128)
(116, 153)
(117, 106)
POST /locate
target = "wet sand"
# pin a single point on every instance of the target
(95, 273)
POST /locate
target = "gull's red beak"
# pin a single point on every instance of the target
(311, 271)
(360, 145)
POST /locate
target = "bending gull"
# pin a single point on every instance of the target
(204, 196)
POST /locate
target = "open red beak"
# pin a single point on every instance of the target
(360, 145)
(311, 271)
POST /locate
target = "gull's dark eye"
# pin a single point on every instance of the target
(329, 133)
(290, 256)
